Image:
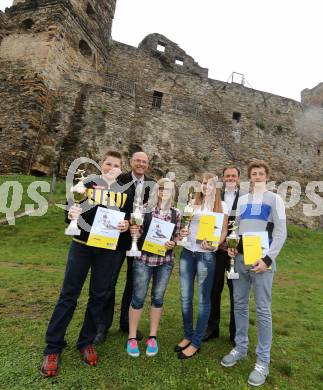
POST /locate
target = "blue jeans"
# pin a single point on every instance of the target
(142, 273)
(262, 287)
(203, 265)
(81, 259)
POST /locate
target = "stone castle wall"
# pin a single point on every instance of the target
(270, 126)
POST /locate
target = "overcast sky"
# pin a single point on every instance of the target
(276, 44)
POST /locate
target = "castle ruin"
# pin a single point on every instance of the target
(68, 90)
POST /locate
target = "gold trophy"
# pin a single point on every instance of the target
(232, 241)
(136, 218)
(79, 192)
(186, 219)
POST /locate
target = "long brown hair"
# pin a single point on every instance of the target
(199, 196)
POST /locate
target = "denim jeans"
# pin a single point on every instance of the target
(142, 274)
(202, 265)
(81, 259)
(262, 287)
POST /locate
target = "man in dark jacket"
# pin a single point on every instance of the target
(139, 185)
(230, 195)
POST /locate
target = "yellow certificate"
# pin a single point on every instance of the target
(251, 249)
(255, 246)
(102, 242)
(206, 228)
(158, 234)
(104, 232)
(210, 228)
(152, 247)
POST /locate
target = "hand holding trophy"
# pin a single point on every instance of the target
(79, 191)
(232, 241)
(186, 219)
(136, 219)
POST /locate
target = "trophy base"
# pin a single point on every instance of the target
(181, 243)
(232, 275)
(133, 253)
(72, 231)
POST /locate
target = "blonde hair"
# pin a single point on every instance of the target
(153, 198)
(199, 196)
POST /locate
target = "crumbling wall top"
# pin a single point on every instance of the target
(3, 19)
(314, 96)
(171, 56)
(3, 24)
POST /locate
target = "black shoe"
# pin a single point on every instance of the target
(139, 335)
(178, 348)
(182, 355)
(101, 335)
(211, 334)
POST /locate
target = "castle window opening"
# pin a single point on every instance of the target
(319, 152)
(161, 47)
(236, 116)
(90, 11)
(27, 24)
(157, 100)
(37, 173)
(85, 48)
(179, 61)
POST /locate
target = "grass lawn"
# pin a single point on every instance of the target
(32, 259)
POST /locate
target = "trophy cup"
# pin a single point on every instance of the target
(186, 219)
(232, 241)
(136, 218)
(79, 191)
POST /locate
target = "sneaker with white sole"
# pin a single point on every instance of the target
(152, 346)
(232, 358)
(132, 348)
(258, 376)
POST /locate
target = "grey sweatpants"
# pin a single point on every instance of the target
(262, 287)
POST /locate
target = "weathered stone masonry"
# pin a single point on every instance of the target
(68, 90)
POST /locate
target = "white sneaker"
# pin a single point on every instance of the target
(232, 358)
(258, 376)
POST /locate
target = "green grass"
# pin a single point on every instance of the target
(32, 258)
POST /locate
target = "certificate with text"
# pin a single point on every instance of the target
(255, 246)
(210, 228)
(158, 234)
(104, 232)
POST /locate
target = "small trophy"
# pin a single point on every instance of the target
(78, 191)
(232, 241)
(186, 219)
(136, 218)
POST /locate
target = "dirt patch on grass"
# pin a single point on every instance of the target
(28, 266)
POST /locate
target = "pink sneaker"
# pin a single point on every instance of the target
(152, 346)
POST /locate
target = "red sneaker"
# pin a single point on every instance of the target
(89, 355)
(50, 365)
